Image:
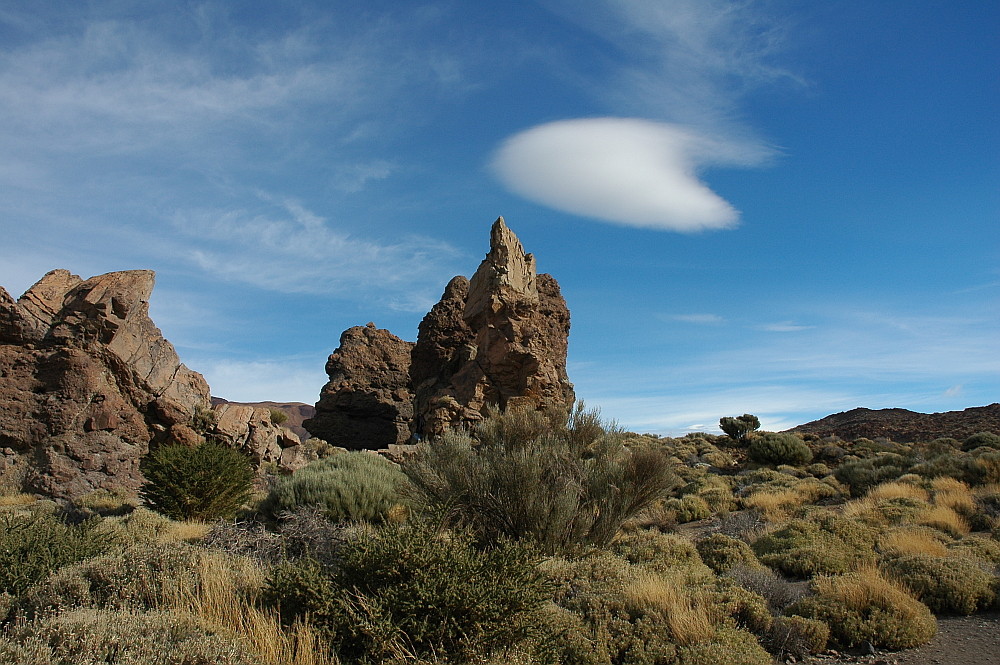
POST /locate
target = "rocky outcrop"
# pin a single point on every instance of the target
(250, 429)
(88, 382)
(497, 339)
(296, 413)
(367, 404)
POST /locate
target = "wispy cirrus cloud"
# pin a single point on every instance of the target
(700, 319)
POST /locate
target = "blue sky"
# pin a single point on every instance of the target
(776, 207)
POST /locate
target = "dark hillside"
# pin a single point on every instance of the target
(905, 426)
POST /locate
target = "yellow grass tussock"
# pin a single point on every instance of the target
(898, 490)
(944, 519)
(911, 541)
(688, 621)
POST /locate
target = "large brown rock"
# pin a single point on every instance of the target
(497, 339)
(367, 404)
(87, 382)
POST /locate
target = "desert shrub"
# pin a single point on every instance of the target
(104, 502)
(981, 439)
(745, 525)
(729, 646)
(746, 609)
(863, 474)
(689, 508)
(776, 591)
(250, 539)
(796, 636)
(719, 499)
(721, 552)
(978, 547)
(353, 486)
(818, 470)
(822, 544)
(557, 482)
(779, 448)
(278, 417)
(739, 428)
(945, 584)
(412, 589)
(863, 606)
(35, 544)
(99, 637)
(662, 553)
(205, 482)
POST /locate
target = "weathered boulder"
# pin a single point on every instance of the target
(367, 404)
(498, 339)
(87, 382)
(250, 429)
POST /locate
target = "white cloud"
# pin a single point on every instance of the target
(623, 170)
(701, 319)
(285, 247)
(783, 326)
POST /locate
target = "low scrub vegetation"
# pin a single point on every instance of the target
(534, 538)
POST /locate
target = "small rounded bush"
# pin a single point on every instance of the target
(823, 544)
(730, 646)
(953, 585)
(721, 552)
(797, 636)
(864, 607)
(204, 482)
(980, 440)
(662, 553)
(863, 474)
(689, 508)
(351, 486)
(780, 448)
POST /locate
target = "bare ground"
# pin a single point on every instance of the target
(971, 640)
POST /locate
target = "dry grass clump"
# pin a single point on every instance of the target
(953, 494)
(777, 503)
(898, 490)
(913, 540)
(689, 620)
(944, 519)
(16, 500)
(864, 606)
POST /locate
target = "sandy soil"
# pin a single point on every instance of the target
(973, 640)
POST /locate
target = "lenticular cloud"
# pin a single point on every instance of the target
(627, 171)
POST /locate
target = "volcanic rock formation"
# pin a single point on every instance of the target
(905, 426)
(497, 339)
(87, 383)
(367, 403)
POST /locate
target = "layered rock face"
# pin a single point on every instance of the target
(86, 383)
(497, 339)
(367, 404)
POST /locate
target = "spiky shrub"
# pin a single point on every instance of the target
(34, 545)
(954, 585)
(780, 448)
(204, 482)
(354, 486)
(529, 475)
(406, 589)
(721, 552)
(821, 544)
(864, 606)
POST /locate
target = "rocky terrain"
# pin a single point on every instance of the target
(497, 339)
(296, 412)
(905, 426)
(89, 384)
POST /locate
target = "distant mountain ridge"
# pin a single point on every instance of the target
(296, 412)
(904, 426)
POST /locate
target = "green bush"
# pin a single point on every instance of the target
(822, 544)
(739, 428)
(955, 585)
(721, 552)
(409, 589)
(861, 475)
(797, 636)
(663, 553)
(99, 637)
(353, 486)
(556, 482)
(981, 439)
(689, 508)
(34, 545)
(730, 646)
(203, 482)
(779, 448)
(278, 417)
(863, 607)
